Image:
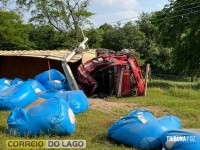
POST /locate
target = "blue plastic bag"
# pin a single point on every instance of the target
(50, 93)
(140, 129)
(52, 116)
(169, 122)
(77, 100)
(19, 95)
(54, 85)
(49, 75)
(47, 94)
(37, 86)
(4, 84)
(5, 80)
(16, 81)
(180, 140)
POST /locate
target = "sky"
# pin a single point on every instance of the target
(110, 11)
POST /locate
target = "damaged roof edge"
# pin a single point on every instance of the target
(45, 54)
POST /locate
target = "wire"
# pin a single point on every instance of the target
(125, 19)
(161, 19)
(185, 9)
(135, 17)
(167, 18)
(185, 5)
(157, 20)
(176, 16)
(178, 11)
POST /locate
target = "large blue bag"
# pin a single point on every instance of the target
(53, 116)
(54, 85)
(37, 86)
(140, 129)
(5, 80)
(53, 80)
(16, 81)
(49, 75)
(4, 84)
(180, 140)
(50, 93)
(77, 100)
(19, 95)
(47, 94)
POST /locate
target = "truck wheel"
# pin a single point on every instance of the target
(131, 53)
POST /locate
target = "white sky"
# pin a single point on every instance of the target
(113, 10)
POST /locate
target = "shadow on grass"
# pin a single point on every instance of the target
(3, 130)
(100, 138)
(163, 85)
(169, 84)
(197, 86)
(105, 140)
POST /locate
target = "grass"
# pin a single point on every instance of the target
(181, 99)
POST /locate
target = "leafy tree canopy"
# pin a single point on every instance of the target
(13, 33)
(63, 15)
(179, 27)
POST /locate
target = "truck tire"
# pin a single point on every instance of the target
(131, 53)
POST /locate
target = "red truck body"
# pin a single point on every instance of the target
(131, 79)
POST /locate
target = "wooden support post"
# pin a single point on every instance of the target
(119, 92)
(146, 78)
(149, 74)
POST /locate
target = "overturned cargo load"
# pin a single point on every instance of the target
(112, 73)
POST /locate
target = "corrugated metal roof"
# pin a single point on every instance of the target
(46, 54)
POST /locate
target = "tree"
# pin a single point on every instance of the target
(179, 28)
(63, 15)
(3, 4)
(45, 37)
(95, 37)
(119, 38)
(152, 51)
(13, 34)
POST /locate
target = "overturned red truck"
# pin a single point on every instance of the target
(113, 74)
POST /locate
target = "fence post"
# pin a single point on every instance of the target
(146, 78)
(149, 73)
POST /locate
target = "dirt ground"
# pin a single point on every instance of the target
(108, 106)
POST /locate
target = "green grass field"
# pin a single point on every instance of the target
(181, 99)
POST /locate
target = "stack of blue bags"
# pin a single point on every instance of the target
(141, 130)
(43, 104)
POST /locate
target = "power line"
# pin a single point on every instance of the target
(178, 11)
(185, 5)
(161, 19)
(170, 17)
(129, 19)
(176, 16)
(124, 19)
(135, 17)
